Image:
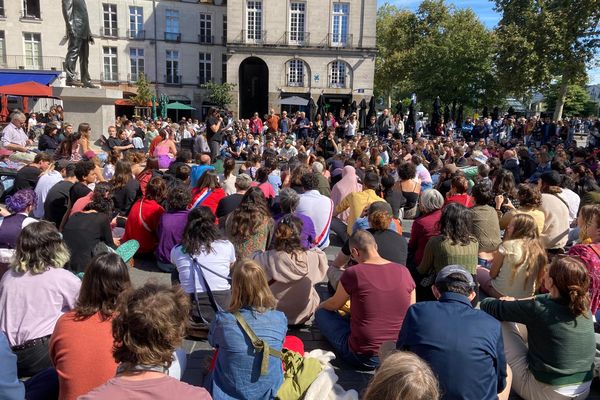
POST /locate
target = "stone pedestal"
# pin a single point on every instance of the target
(94, 106)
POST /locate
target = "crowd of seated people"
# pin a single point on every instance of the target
(493, 287)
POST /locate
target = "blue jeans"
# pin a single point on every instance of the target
(336, 330)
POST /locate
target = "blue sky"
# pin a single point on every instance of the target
(485, 11)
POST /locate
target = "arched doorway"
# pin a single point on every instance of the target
(254, 87)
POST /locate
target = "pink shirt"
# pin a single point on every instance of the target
(164, 388)
(30, 304)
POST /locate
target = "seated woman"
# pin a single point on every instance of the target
(454, 245)
(208, 192)
(410, 186)
(204, 258)
(293, 271)
(165, 150)
(530, 200)
(556, 361)
(171, 226)
(458, 192)
(20, 205)
(148, 324)
(288, 203)
(106, 278)
(237, 372)
(485, 224)
(250, 226)
(126, 189)
(588, 250)
(425, 226)
(149, 172)
(142, 222)
(34, 293)
(86, 229)
(262, 182)
(518, 265)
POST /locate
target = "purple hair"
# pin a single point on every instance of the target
(19, 201)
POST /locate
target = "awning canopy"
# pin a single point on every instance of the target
(293, 101)
(179, 106)
(130, 103)
(27, 89)
(42, 77)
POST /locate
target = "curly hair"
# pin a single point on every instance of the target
(39, 246)
(19, 201)
(529, 196)
(250, 214)
(178, 198)
(460, 184)
(456, 224)
(149, 324)
(200, 231)
(287, 235)
(482, 193)
(407, 171)
(102, 200)
(380, 220)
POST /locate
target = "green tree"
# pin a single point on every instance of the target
(219, 93)
(453, 56)
(394, 46)
(577, 102)
(539, 40)
(144, 92)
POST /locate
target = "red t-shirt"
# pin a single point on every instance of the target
(210, 200)
(144, 232)
(266, 188)
(379, 299)
(463, 199)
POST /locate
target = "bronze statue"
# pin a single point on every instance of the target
(80, 38)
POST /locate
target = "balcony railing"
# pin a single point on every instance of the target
(340, 40)
(174, 80)
(136, 35)
(206, 39)
(173, 36)
(251, 37)
(108, 32)
(42, 63)
(297, 39)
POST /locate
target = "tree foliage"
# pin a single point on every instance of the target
(144, 92)
(539, 40)
(437, 51)
(578, 102)
(219, 93)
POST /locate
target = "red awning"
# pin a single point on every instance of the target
(28, 89)
(130, 103)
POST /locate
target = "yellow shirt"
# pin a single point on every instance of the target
(356, 203)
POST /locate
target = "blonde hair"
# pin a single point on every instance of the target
(403, 376)
(534, 257)
(39, 247)
(249, 287)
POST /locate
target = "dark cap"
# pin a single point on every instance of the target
(551, 178)
(442, 276)
(380, 206)
(371, 180)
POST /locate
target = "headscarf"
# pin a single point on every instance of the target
(348, 184)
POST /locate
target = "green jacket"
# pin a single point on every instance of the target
(561, 348)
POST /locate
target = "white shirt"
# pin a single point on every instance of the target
(572, 199)
(42, 188)
(288, 153)
(216, 267)
(13, 135)
(319, 209)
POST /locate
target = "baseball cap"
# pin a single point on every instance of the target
(443, 275)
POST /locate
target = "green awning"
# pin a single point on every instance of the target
(179, 106)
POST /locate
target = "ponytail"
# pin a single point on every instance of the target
(571, 278)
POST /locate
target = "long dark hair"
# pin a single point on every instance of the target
(105, 279)
(102, 201)
(250, 214)
(228, 167)
(456, 224)
(209, 179)
(123, 174)
(200, 231)
(66, 146)
(504, 182)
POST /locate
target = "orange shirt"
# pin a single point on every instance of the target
(81, 352)
(273, 123)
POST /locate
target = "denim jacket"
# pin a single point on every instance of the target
(237, 369)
